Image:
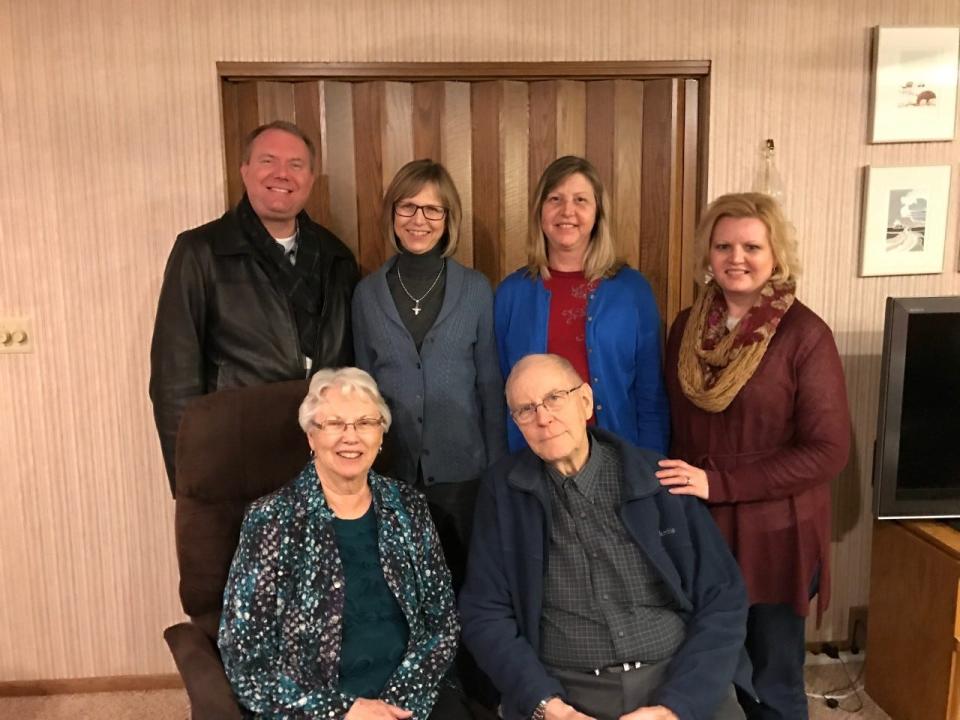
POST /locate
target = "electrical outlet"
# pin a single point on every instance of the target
(16, 335)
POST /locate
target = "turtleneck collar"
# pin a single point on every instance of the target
(421, 266)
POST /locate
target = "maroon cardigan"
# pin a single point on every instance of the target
(770, 457)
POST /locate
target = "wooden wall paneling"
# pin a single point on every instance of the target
(368, 117)
(339, 161)
(685, 273)
(514, 153)
(543, 128)
(308, 111)
(428, 113)
(627, 158)
(571, 117)
(456, 155)
(275, 102)
(657, 199)
(397, 131)
(486, 100)
(600, 128)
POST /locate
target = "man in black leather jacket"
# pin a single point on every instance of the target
(260, 295)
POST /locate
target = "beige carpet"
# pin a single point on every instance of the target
(173, 705)
(833, 680)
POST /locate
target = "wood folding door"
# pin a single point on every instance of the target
(495, 127)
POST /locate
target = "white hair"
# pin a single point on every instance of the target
(348, 379)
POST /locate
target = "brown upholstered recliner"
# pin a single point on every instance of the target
(233, 446)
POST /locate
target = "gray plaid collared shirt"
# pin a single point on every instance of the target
(604, 602)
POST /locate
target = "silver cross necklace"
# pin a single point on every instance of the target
(416, 301)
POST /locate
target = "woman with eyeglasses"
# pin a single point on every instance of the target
(338, 602)
(576, 299)
(423, 328)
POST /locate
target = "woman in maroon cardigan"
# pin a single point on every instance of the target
(760, 428)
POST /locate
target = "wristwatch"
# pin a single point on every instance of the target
(540, 711)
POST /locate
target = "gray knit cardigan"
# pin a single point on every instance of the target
(447, 400)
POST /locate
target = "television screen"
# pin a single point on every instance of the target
(917, 459)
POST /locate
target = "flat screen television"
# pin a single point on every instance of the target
(916, 468)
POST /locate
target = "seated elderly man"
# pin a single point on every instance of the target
(592, 592)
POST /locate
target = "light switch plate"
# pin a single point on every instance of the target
(16, 335)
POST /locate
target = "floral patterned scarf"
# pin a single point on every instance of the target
(716, 362)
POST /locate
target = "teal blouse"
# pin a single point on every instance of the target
(374, 630)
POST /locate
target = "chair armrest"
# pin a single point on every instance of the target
(198, 660)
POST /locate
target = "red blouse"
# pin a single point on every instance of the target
(567, 327)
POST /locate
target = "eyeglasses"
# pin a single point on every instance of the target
(430, 212)
(336, 426)
(551, 403)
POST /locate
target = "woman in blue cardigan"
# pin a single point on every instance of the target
(576, 299)
(423, 327)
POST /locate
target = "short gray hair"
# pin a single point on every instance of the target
(348, 379)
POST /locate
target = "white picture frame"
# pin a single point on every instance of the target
(914, 91)
(904, 220)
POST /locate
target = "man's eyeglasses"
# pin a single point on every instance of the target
(430, 212)
(336, 426)
(554, 401)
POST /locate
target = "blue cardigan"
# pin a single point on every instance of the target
(447, 400)
(623, 351)
(501, 601)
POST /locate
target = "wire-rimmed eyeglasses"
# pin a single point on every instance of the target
(430, 212)
(338, 426)
(551, 403)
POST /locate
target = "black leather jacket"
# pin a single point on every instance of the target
(221, 323)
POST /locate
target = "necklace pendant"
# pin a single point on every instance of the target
(416, 308)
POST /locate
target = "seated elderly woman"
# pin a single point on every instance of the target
(339, 603)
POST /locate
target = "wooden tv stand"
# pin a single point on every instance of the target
(913, 630)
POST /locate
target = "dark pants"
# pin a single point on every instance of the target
(608, 695)
(451, 705)
(451, 507)
(775, 644)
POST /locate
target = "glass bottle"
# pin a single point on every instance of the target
(768, 179)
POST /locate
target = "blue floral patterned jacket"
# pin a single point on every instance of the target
(280, 631)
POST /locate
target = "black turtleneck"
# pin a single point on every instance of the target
(418, 273)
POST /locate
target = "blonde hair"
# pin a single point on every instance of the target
(411, 179)
(780, 232)
(349, 380)
(601, 257)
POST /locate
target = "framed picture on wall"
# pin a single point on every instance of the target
(904, 220)
(914, 94)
